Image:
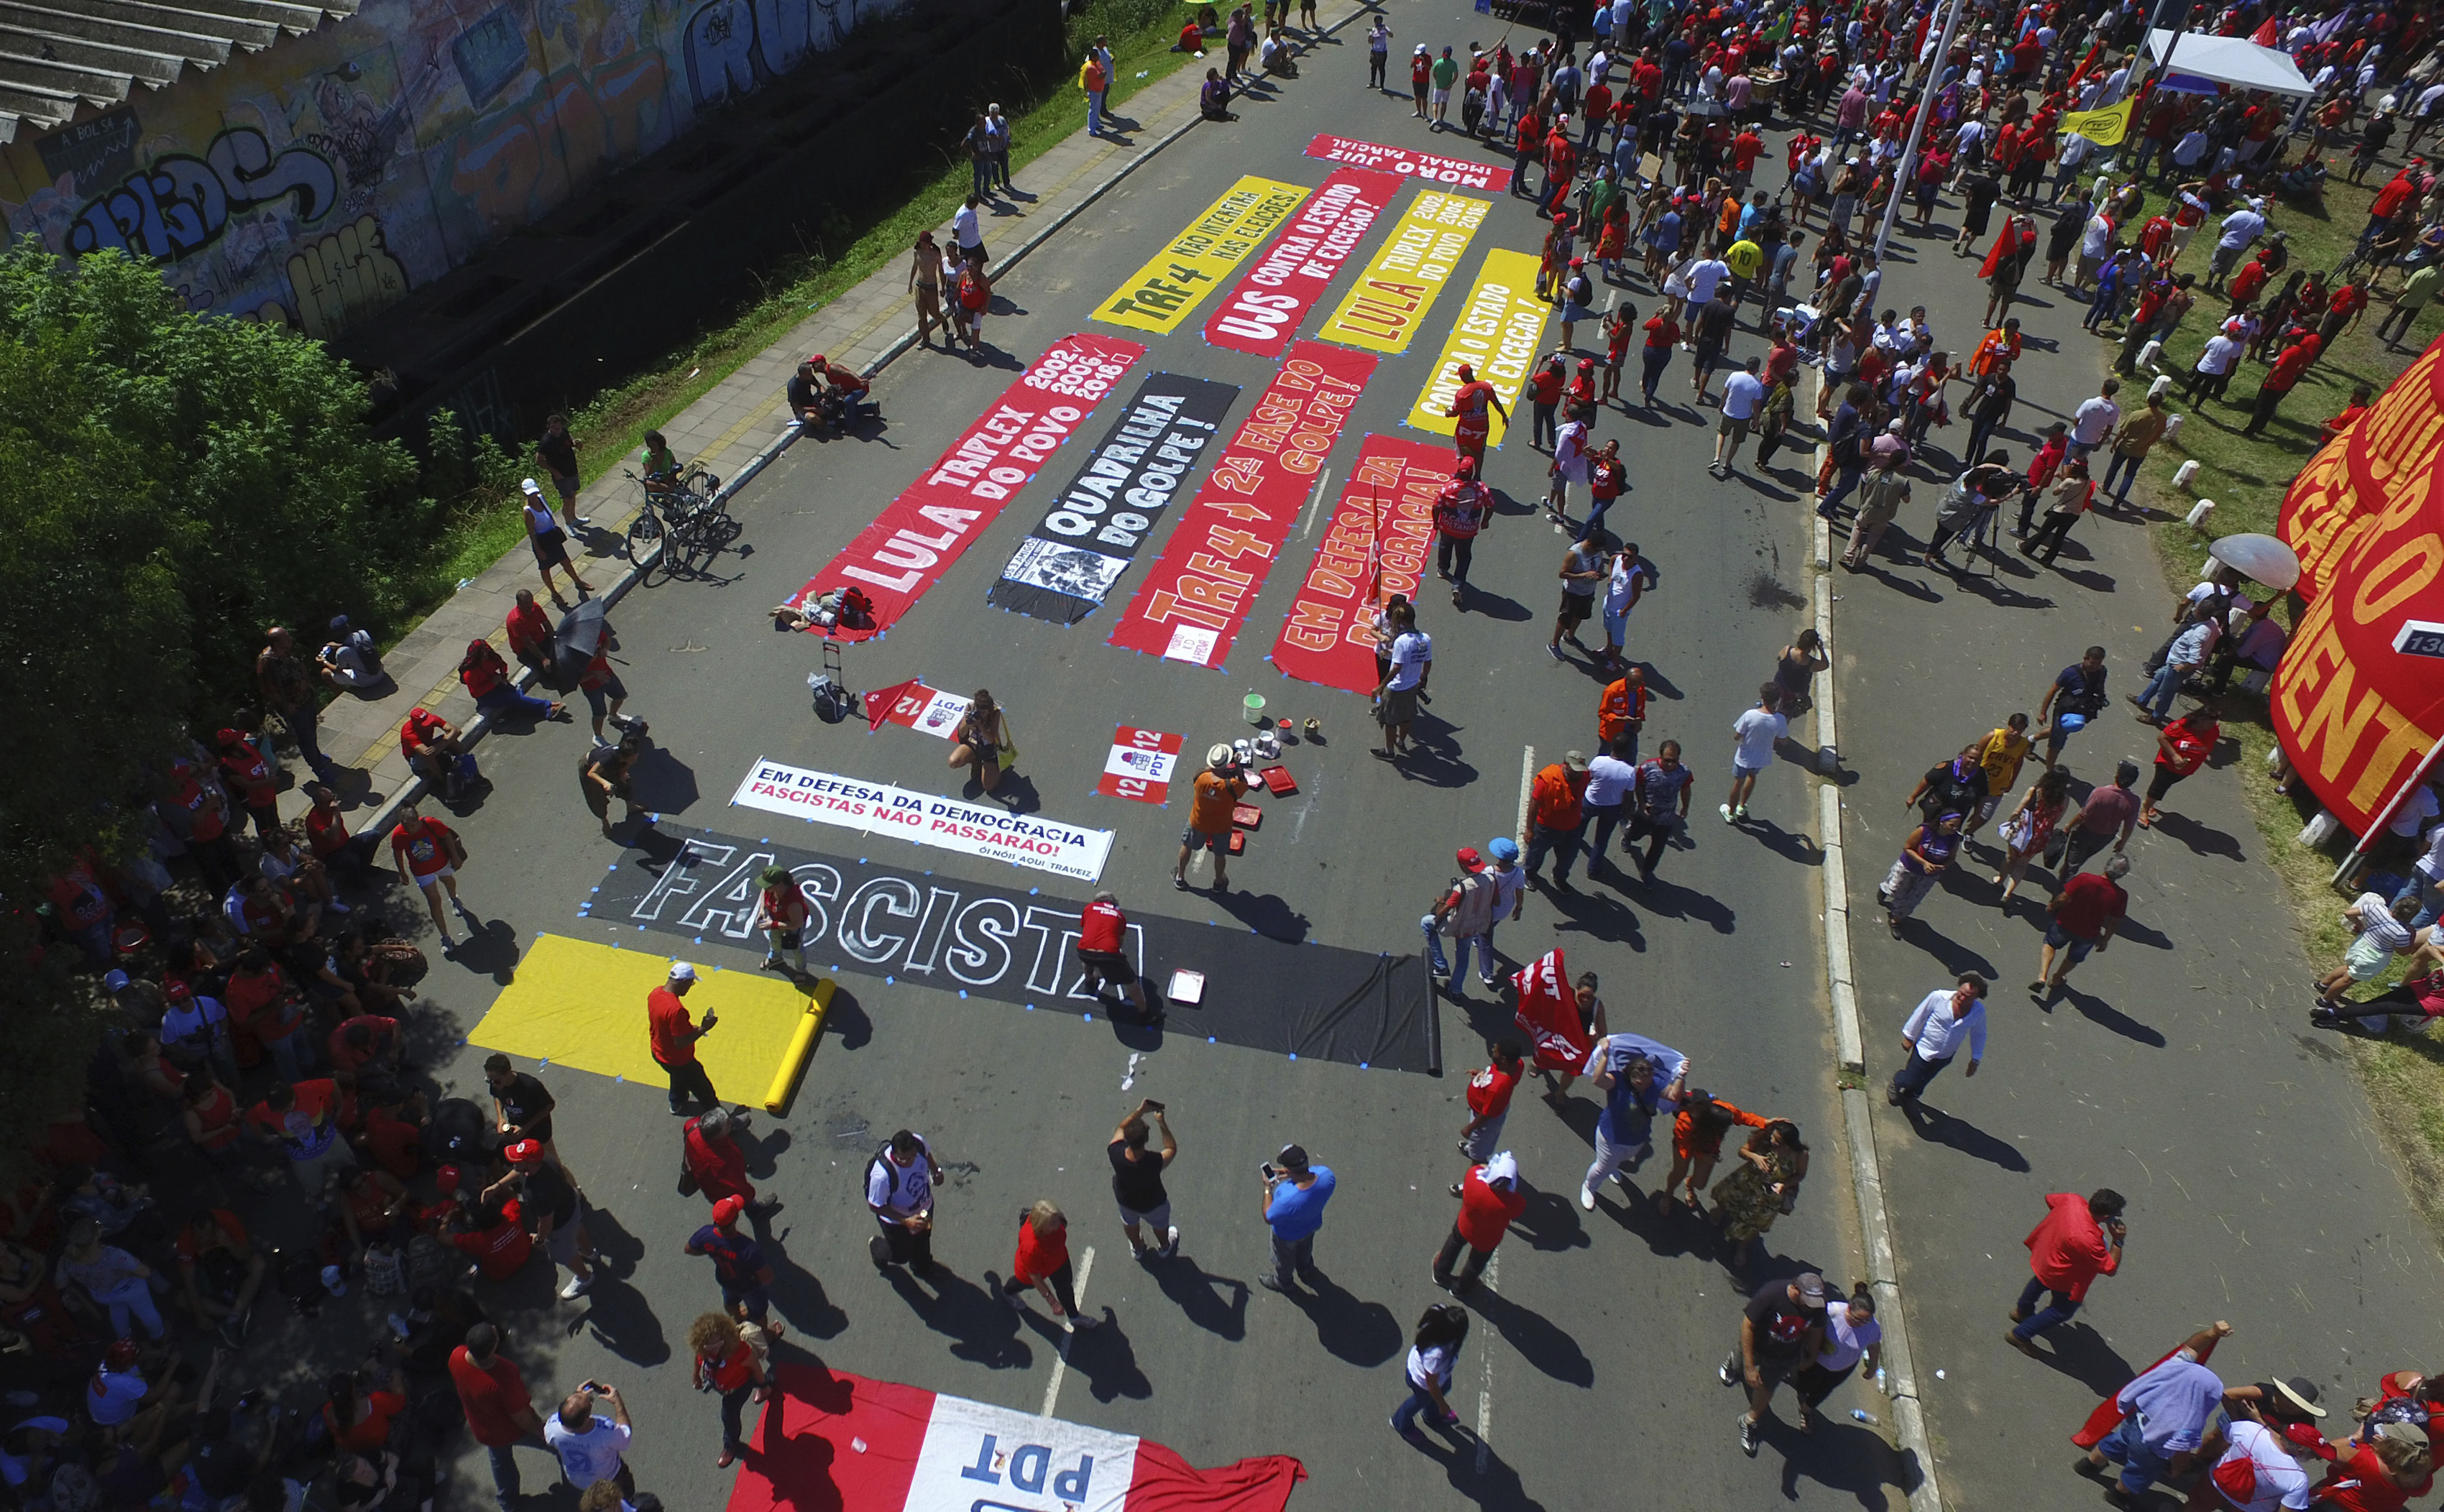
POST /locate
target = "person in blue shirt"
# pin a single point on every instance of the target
(1639, 1079)
(1295, 1192)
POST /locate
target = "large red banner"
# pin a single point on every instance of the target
(1432, 168)
(914, 542)
(1375, 546)
(1190, 606)
(1264, 313)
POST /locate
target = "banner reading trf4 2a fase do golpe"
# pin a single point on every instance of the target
(1192, 604)
(917, 538)
(1380, 533)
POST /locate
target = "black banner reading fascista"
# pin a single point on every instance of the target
(926, 928)
(1069, 564)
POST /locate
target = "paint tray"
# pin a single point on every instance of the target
(1278, 781)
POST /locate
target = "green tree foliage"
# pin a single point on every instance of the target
(172, 483)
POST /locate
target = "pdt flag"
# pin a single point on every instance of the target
(830, 1439)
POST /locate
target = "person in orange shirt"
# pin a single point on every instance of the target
(674, 1037)
(2351, 412)
(1621, 710)
(1557, 816)
(2002, 343)
(1698, 1131)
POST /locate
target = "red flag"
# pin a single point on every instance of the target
(879, 702)
(1548, 1011)
(2268, 34)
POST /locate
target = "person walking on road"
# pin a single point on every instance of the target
(1465, 911)
(1461, 512)
(708, 1153)
(2083, 915)
(2029, 829)
(1639, 1079)
(500, 1413)
(1406, 671)
(1213, 795)
(1658, 806)
(1584, 574)
(2078, 1240)
(727, 1364)
(1295, 1193)
(739, 1266)
(428, 853)
(2110, 813)
(549, 1201)
(1137, 1181)
(1852, 1341)
(2181, 747)
(2075, 696)
(1488, 1102)
(1754, 735)
(1927, 852)
(1782, 1328)
(1610, 776)
(1557, 817)
(1698, 1131)
(1933, 1033)
(782, 915)
(1041, 1261)
(2165, 1414)
(1432, 1353)
(899, 1183)
(605, 772)
(1490, 1202)
(592, 1447)
(672, 1036)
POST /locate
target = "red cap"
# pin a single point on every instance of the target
(726, 1211)
(2307, 1436)
(447, 1180)
(524, 1152)
(120, 1356)
(1470, 861)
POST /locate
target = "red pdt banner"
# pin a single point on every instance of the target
(1140, 764)
(1264, 313)
(1377, 546)
(1460, 173)
(1192, 605)
(916, 540)
(832, 1439)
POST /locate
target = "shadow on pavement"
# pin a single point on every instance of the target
(1361, 1333)
(1840, 1455)
(2097, 1011)
(1106, 1358)
(1550, 1222)
(1218, 1304)
(1935, 1126)
(981, 1329)
(2082, 1353)
(1536, 1338)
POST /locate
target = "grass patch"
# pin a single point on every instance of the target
(2246, 477)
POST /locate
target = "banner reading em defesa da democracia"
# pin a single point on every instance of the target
(926, 819)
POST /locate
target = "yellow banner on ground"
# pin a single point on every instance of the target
(2103, 127)
(1399, 286)
(1497, 336)
(581, 1004)
(1160, 295)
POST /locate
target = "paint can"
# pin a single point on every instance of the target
(1254, 705)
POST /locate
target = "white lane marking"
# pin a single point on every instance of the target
(1527, 787)
(1322, 480)
(1060, 1358)
(1485, 1391)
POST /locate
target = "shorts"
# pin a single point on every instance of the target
(1709, 358)
(1739, 772)
(1737, 430)
(563, 1242)
(433, 879)
(566, 485)
(1158, 1215)
(2163, 782)
(1197, 840)
(611, 689)
(1113, 964)
(2061, 940)
(1441, 97)
(1400, 707)
(985, 751)
(551, 548)
(1576, 607)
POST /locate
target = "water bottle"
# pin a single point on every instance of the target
(331, 1282)
(1880, 1387)
(1863, 1415)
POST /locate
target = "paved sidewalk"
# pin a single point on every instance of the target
(739, 423)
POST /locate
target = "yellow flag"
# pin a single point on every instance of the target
(2103, 127)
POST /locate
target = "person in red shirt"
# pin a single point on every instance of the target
(367, 1039)
(531, 639)
(1697, 1131)
(2381, 1471)
(673, 1036)
(428, 853)
(1470, 405)
(2078, 1240)
(599, 683)
(1488, 1102)
(1490, 1198)
(1461, 512)
(2280, 380)
(430, 743)
(499, 1412)
(1041, 1261)
(494, 1235)
(263, 1008)
(725, 1362)
(1544, 400)
(203, 813)
(2181, 747)
(1102, 950)
(782, 915)
(326, 834)
(2084, 914)
(220, 1271)
(1662, 334)
(251, 777)
(710, 1154)
(2334, 428)
(395, 1134)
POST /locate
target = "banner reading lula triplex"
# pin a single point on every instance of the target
(1196, 596)
(919, 534)
(830, 1439)
(926, 819)
(1375, 546)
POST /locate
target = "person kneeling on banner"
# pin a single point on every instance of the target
(1102, 936)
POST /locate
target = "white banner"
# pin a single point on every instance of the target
(926, 819)
(978, 1456)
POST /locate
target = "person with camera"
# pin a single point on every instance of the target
(673, 1036)
(1137, 1181)
(900, 1185)
(1217, 791)
(605, 772)
(1295, 1193)
(2078, 1240)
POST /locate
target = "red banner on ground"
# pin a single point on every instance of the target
(1377, 545)
(908, 548)
(1264, 313)
(1461, 173)
(1192, 604)
(1140, 764)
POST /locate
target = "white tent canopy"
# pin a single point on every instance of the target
(2234, 61)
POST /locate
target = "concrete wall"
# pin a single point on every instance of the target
(320, 180)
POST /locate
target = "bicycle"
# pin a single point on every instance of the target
(685, 515)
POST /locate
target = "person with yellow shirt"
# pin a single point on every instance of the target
(2000, 753)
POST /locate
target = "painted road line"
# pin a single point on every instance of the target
(1160, 296)
(1497, 335)
(1397, 289)
(1263, 315)
(1315, 502)
(1061, 1356)
(1460, 173)
(1526, 790)
(1375, 546)
(1490, 1280)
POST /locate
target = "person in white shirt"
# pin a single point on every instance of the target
(1412, 663)
(2092, 424)
(970, 236)
(1935, 1032)
(1704, 277)
(1610, 776)
(2214, 370)
(2426, 883)
(592, 1447)
(1753, 735)
(1742, 392)
(2240, 229)
(2270, 1426)
(1569, 464)
(1852, 1338)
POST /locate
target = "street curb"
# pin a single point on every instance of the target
(1866, 1173)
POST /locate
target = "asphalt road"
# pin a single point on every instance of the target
(1594, 1318)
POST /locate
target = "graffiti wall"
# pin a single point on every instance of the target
(319, 180)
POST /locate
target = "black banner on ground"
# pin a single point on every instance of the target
(1068, 563)
(1317, 1001)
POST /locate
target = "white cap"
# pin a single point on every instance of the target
(532, 486)
(681, 971)
(1502, 1168)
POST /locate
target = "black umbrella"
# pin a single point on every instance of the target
(580, 633)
